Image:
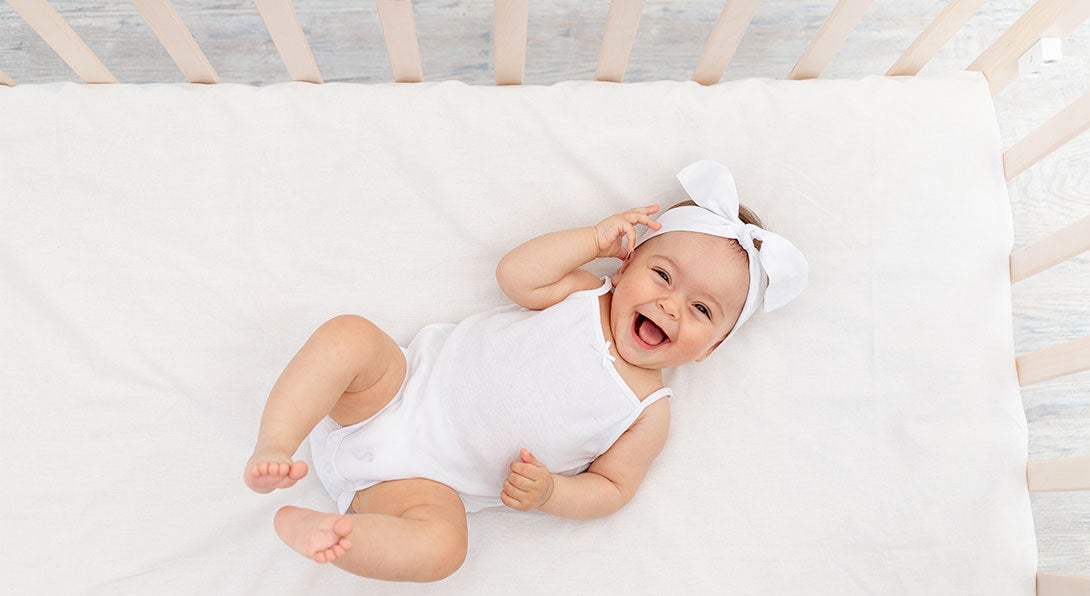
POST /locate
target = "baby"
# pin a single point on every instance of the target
(552, 403)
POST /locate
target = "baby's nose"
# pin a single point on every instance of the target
(668, 307)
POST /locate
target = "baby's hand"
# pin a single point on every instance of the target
(610, 230)
(528, 485)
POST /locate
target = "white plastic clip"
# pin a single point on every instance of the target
(1046, 51)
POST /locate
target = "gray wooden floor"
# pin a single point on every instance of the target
(456, 43)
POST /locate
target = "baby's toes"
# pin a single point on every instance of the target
(330, 554)
(342, 528)
(264, 476)
(269, 470)
(257, 479)
(289, 474)
(297, 470)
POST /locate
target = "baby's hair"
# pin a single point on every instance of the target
(744, 213)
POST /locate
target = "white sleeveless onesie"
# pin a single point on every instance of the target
(476, 392)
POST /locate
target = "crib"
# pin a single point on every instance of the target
(166, 247)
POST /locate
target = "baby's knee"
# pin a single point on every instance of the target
(350, 330)
(347, 324)
(448, 553)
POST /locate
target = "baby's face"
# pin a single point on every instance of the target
(676, 298)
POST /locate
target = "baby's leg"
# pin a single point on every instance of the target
(348, 369)
(408, 530)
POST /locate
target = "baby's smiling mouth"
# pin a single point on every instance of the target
(648, 333)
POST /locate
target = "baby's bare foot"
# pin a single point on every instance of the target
(266, 472)
(313, 534)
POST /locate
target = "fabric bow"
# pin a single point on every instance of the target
(711, 186)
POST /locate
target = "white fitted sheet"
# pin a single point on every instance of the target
(165, 250)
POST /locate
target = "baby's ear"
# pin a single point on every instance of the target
(710, 350)
(620, 270)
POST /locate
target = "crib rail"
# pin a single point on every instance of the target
(1048, 137)
(402, 47)
(621, 24)
(940, 31)
(176, 38)
(509, 39)
(1052, 250)
(1055, 584)
(52, 28)
(289, 39)
(833, 33)
(724, 40)
(1051, 18)
(1069, 473)
(1053, 362)
(998, 63)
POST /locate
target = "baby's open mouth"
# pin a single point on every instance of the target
(647, 332)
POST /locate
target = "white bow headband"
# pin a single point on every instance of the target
(711, 186)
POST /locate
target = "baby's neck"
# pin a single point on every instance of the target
(642, 381)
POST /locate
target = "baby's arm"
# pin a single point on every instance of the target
(613, 478)
(543, 271)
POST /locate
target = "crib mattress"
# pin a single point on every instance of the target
(165, 250)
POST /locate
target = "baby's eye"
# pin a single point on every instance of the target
(704, 310)
(662, 274)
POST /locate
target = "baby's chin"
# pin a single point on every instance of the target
(633, 358)
(651, 361)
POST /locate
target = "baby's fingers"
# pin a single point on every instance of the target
(630, 236)
(511, 502)
(642, 215)
(515, 491)
(529, 471)
(631, 219)
(514, 503)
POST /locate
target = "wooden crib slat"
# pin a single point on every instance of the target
(177, 40)
(1067, 473)
(1051, 250)
(620, 34)
(1055, 361)
(723, 42)
(509, 36)
(1048, 137)
(829, 39)
(55, 31)
(396, 17)
(1000, 60)
(1055, 584)
(1068, 21)
(287, 34)
(1001, 77)
(940, 31)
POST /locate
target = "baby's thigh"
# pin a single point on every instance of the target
(403, 498)
(423, 500)
(380, 370)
